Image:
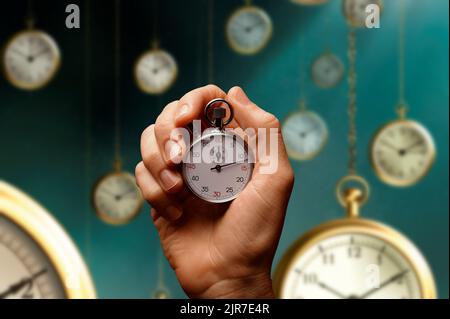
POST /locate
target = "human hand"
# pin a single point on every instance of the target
(216, 250)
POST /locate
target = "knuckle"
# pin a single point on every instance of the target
(271, 121)
(152, 194)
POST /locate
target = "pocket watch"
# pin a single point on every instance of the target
(249, 29)
(354, 258)
(155, 71)
(402, 152)
(31, 59)
(38, 259)
(116, 197)
(219, 164)
(305, 134)
(355, 11)
(327, 70)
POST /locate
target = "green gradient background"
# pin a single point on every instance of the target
(44, 150)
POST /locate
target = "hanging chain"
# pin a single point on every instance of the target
(210, 41)
(302, 67)
(248, 2)
(87, 132)
(155, 31)
(29, 18)
(352, 107)
(117, 88)
(402, 108)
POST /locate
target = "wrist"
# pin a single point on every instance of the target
(250, 287)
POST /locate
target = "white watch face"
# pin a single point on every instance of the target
(327, 70)
(223, 169)
(249, 30)
(403, 152)
(355, 11)
(31, 59)
(351, 266)
(117, 198)
(305, 134)
(25, 270)
(156, 71)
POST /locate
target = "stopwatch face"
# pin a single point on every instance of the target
(402, 152)
(305, 134)
(31, 59)
(327, 70)
(156, 71)
(355, 11)
(117, 199)
(249, 30)
(25, 269)
(365, 262)
(218, 167)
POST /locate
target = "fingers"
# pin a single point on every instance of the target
(248, 114)
(166, 206)
(192, 104)
(167, 177)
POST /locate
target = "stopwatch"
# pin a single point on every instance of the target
(218, 164)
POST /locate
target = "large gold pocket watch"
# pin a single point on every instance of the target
(354, 258)
(38, 258)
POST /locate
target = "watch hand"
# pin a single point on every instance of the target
(14, 288)
(332, 290)
(305, 133)
(413, 145)
(389, 145)
(384, 284)
(219, 167)
(40, 53)
(20, 53)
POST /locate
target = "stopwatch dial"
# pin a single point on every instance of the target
(156, 71)
(117, 198)
(25, 269)
(403, 152)
(352, 266)
(249, 30)
(222, 169)
(305, 134)
(327, 70)
(355, 11)
(31, 59)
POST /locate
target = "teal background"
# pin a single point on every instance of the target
(54, 143)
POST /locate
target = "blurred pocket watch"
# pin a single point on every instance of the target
(38, 258)
(309, 2)
(353, 258)
(155, 71)
(249, 29)
(31, 59)
(355, 11)
(305, 134)
(327, 70)
(402, 152)
(116, 197)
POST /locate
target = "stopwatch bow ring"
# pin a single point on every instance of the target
(218, 113)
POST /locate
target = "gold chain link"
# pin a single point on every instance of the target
(352, 107)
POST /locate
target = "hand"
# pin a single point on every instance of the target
(216, 250)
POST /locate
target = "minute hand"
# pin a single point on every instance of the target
(384, 284)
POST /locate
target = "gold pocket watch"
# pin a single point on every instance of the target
(305, 134)
(31, 59)
(249, 29)
(309, 2)
(402, 152)
(327, 70)
(155, 71)
(38, 259)
(355, 11)
(353, 258)
(116, 197)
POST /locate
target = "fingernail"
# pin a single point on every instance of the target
(173, 151)
(183, 111)
(168, 179)
(241, 97)
(173, 213)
